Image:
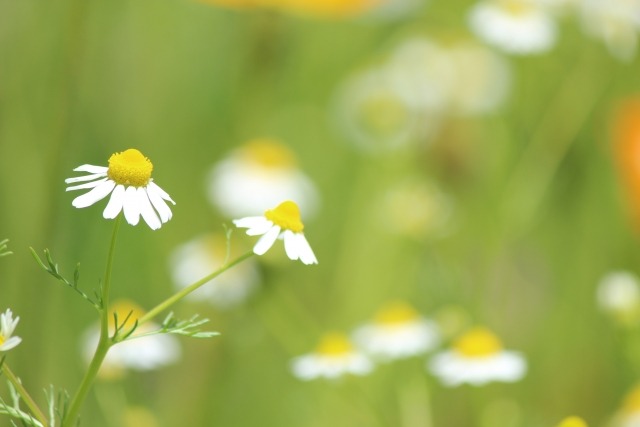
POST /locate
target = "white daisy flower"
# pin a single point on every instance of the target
(618, 294)
(128, 181)
(259, 175)
(514, 26)
(333, 358)
(572, 422)
(477, 358)
(144, 353)
(281, 222)
(199, 257)
(397, 331)
(7, 326)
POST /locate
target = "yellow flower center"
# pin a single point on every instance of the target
(127, 312)
(130, 167)
(396, 313)
(287, 216)
(334, 344)
(478, 342)
(268, 153)
(2, 339)
(572, 422)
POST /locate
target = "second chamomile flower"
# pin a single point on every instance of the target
(7, 326)
(128, 180)
(283, 222)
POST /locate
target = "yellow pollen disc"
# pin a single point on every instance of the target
(2, 340)
(268, 153)
(572, 422)
(632, 401)
(130, 167)
(396, 313)
(478, 342)
(334, 344)
(517, 7)
(124, 308)
(287, 216)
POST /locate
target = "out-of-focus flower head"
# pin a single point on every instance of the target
(138, 416)
(615, 22)
(618, 294)
(414, 208)
(257, 176)
(519, 27)
(144, 353)
(477, 358)
(572, 421)
(334, 357)
(628, 415)
(397, 332)
(7, 326)
(626, 145)
(201, 256)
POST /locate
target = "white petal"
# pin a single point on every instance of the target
(266, 241)
(148, 214)
(95, 195)
(158, 203)
(291, 245)
(156, 189)
(91, 169)
(304, 250)
(256, 225)
(87, 185)
(131, 206)
(10, 343)
(115, 203)
(85, 178)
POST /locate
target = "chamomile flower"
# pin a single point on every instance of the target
(139, 353)
(618, 294)
(628, 415)
(396, 332)
(514, 26)
(477, 357)
(281, 222)
(572, 422)
(128, 180)
(197, 258)
(334, 357)
(7, 326)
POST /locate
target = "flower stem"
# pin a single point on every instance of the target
(28, 400)
(103, 344)
(186, 291)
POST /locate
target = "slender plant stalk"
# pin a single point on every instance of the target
(103, 344)
(28, 400)
(186, 291)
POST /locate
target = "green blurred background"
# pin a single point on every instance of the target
(538, 215)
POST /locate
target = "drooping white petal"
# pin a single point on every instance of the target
(156, 189)
(115, 203)
(87, 185)
(90, 177)
(291, 245)
(253, 223)
(304, 250)
(266, 241)
(148, 214)
(95, 195)
(91, 169)
(161, 206)
(131, 205)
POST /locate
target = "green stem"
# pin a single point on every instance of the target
(31, 404)
(186, 291)
(103, 344)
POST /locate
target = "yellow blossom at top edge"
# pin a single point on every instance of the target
(130, 167)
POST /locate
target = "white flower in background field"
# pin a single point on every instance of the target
(143, 353)
(283, 222)
(334, 357)
(128, 180)
(198, 258)
(520, 27)
(259, 175)
(477, 358)
(615, 22)
(7, 326)
(397, 332)
(618, 294)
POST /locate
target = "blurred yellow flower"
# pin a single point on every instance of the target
(572, 422)
(321, 8)
(334, 357)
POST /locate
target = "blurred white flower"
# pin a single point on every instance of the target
(334, 357)
(283, 222)
(628, 415)
(7, 326)
(615, 22)
(618, 294)
(477, 358)
(128, 180)
(397, 332)
(259, 175)
(198, 258)
(142, 353)
(515, 26)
